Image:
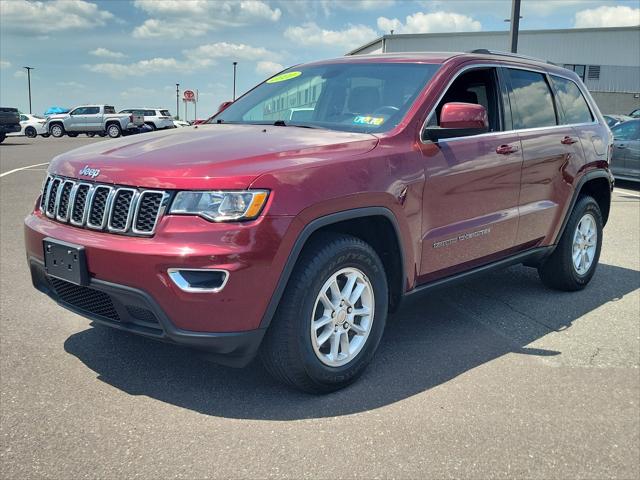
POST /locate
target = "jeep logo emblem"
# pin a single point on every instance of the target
(89, 172)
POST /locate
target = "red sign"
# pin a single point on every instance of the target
(189, 96)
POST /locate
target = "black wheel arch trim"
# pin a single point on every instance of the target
(304, 236)
(592, 175)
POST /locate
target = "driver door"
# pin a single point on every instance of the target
(78, 120)
(470, 199)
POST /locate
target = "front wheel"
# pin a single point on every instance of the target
(114, 130)
(573, 263)
(56, 130)
(331, 317)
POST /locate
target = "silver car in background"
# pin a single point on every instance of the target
(625, 164)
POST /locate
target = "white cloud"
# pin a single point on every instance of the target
(311, 8)
(143, 67)
(548, 7)
(614, 16)
(206, 54)
(311, 34)
(178, 19)
(106, 53)
(430, 22)
(44, 17)
(266, 67)
(4, 64)
(20, 74)
(71, 84)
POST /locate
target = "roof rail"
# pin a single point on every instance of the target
(485, 51)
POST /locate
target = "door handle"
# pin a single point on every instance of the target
(622, 145)
(568, 140)
(506, 149)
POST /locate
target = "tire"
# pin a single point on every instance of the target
(30, 132)
(45, 135)
(72, 135)
(2, 137)
(152, 125)
(102, 134)
(291, 352)
(56, 130)
(114, 130)
(90, 134)
(559, 271)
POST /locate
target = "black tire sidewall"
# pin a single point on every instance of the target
(30, 130)
(357, 257)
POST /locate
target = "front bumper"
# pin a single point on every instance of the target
(135, 311)
(253, 253)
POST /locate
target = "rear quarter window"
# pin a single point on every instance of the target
(531, 96)
(149, 113)
(108, 109)
(572, 102)
(165, 113)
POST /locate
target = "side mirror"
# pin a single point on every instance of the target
(459, 119)
(224, 105)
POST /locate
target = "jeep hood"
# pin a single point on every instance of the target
(208, 156)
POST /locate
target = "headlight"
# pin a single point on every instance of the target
(220, 206)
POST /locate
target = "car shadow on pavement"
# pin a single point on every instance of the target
(432, 339)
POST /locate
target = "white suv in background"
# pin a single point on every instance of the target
(156, 118)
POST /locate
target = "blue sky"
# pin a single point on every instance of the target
(132, 52)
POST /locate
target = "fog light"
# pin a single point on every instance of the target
(199, 280)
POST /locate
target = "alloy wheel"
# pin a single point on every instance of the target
(342, 317)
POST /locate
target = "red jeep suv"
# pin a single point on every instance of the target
(293, 221)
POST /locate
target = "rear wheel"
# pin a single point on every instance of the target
(56, 130)
(114, 130)
(573, 263)
(30, 132)
(331, 316)
(152, 125)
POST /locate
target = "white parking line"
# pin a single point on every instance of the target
(22, 168)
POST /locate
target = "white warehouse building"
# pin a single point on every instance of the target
(607, 59)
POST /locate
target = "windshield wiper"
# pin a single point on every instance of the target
(281, 123)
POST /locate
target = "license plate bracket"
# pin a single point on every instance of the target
(65, 261)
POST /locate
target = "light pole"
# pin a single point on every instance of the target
(177, 101)
(515, 25)
(235, 65)
(28, 69)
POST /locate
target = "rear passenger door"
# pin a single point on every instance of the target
(552, 155)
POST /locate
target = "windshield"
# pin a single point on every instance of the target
(353, 97)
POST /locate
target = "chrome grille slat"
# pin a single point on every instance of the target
(52, 195)
(148, 211)
(63, 200)
(121, 214)
(122, 210)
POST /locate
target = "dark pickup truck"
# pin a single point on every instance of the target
(9, 121)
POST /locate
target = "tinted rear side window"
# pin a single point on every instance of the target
(572, 101)
(92, 110)
(532, 100)
(108, 109)
(149, 113)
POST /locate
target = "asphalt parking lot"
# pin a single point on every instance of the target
(498, 377)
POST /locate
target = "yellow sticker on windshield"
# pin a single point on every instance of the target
(377, 121)
(284, 76)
